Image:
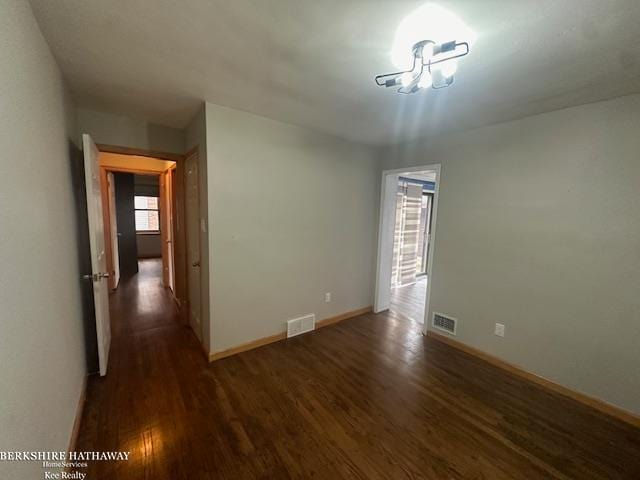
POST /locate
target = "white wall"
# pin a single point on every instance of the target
(539, 228)
(292, 215)
(123, 131)
(42, 352)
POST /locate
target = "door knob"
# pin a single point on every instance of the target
(195, 264)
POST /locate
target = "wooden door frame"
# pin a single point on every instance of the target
(106, 215)
(106, 189)
(174, 229)
(181, 293)
(166, 227)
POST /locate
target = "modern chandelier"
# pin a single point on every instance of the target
(434, 65)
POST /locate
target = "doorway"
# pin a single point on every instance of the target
(152, 292)
(406, 235)
(138, 203)
(139, 211)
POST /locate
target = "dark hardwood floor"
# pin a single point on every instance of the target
(368, 398)
(409, 300)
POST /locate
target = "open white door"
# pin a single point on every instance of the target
(98, 257)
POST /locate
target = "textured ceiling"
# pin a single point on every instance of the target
(312, 63)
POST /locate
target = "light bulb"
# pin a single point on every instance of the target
(447, 68)
(406, 78)
(427, 22)
(425, 80)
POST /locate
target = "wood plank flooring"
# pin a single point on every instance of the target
(368, 398)
(409, 300)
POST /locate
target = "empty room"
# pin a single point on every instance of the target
(326, 240)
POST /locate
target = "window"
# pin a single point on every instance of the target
(147, 217)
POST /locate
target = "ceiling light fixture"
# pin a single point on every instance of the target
(435, 70)
(424, 50)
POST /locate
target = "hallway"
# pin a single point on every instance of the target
(148, 388)
(325, 405)
(141, 302)
(409, 300)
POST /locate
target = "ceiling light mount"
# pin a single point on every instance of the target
(434, 65)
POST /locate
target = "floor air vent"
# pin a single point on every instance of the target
(444, 323)
(301, 325)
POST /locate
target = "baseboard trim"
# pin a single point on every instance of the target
(73, 441)
(595, 403)
(344, 316)
(247, 346)
(281, 336)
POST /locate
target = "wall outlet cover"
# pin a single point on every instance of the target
(499, 330)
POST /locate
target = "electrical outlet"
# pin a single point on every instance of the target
(499, 330)
(327, 297)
